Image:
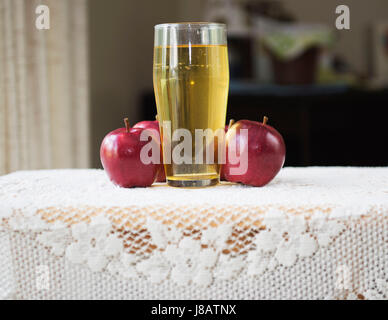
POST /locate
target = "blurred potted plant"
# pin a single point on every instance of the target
(293, 48)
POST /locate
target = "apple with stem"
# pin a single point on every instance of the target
(266, 152)
(120, 157)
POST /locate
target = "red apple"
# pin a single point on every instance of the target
(148, 125)
(120, 157)
(222, 173)
(266, 152)
(155, 126)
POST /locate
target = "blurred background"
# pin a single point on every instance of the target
(63, 89)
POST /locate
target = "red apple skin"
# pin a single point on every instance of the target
(266, 153)
(148, 125)
(222, 173)
(154, 125)
(120, 157)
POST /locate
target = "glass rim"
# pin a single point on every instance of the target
(190, 25)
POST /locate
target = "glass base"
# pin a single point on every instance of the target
(193, 183)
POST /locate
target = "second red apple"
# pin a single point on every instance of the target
(266, 152)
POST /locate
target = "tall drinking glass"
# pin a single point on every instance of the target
(191, 81)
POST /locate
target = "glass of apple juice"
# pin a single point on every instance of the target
(191, 82)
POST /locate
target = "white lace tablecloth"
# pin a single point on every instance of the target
(313, 233)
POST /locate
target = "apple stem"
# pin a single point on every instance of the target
(231, 122)
(126, 121)
(265, 119)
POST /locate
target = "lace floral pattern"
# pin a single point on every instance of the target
(94, 244)
(379, 290)
(187, 260)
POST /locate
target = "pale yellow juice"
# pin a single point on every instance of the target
(191, 89)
